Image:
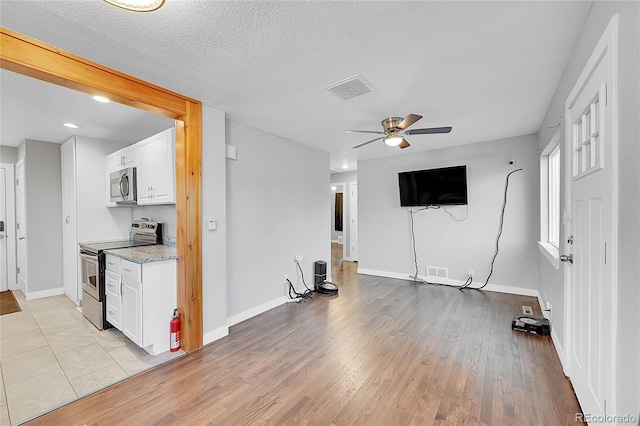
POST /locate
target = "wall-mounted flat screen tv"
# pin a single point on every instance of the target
(433, 187)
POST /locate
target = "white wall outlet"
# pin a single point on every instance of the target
(212, 225)
(297, 258)
(471, 272)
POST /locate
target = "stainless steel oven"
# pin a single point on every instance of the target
(92, 296)
(90, 273)
(93, 261)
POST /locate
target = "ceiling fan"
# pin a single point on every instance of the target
(395, 129)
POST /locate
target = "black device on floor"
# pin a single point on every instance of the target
(320, 283)
(531, 325)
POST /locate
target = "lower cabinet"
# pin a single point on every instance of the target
(141, 300)
(132, 311)
(113, 292)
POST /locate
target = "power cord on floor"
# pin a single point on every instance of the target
(504, 205)
(299, 297)
(415, 256)
(306, 294)
(469, 280)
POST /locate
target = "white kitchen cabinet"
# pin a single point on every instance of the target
(132, 311)
(113, 292)
(140, 301)
(157, 169)
(122, 158)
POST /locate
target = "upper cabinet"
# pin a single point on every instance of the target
(154, 160)
(157, 169)
(125, 157)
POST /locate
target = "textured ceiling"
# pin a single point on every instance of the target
(489, 69)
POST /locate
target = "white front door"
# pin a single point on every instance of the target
(590, 280)
(4, 276)
(21, 225)
(353, 221)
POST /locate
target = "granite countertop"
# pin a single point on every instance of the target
(145, 254)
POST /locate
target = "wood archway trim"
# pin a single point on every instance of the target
(30, 57)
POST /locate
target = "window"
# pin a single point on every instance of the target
(550, 179)
(553, 235)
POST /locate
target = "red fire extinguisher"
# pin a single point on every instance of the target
(174, 329)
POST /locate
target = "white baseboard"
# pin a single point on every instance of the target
(214, 335)
(556, 341)
(44, 293)
(490, 287)
(335, 241)
(250, 313)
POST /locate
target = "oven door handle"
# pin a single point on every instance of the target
(86, 257)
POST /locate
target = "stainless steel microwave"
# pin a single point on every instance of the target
(122, 186)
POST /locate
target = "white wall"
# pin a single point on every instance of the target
(278, 205)
(8, 154)
(43, 193)
(214, 243)
(164, 213)
(384, 227)
(95, 221)
(628, 351)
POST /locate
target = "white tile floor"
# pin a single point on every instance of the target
(51, 355)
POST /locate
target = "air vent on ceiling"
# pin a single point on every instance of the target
(350, 87)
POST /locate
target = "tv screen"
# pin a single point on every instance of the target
(433, 187)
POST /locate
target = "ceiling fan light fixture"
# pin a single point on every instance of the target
(137, 5)
(393, 139)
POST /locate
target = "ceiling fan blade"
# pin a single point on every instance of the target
(428, 131)
(375, 132)
(408, 121)
(404, 144)
(368, 142)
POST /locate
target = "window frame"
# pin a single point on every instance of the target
(550, 213)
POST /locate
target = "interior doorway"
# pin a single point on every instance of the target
(338, 220)
(7, 227)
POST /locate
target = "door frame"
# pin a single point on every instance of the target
(345, 225)
(33, 58)
(608, 43)
(353, 226)
(10, 224)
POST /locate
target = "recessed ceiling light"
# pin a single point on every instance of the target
(71, 125)
(137, 5)
(101, 99)
(346, 166)
(333, 188)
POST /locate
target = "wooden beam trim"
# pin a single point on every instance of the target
(188, 167)
(33, 58)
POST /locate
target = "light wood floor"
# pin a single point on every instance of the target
(382, 352)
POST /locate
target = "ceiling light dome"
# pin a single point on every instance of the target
(137, 5)
(393, 139)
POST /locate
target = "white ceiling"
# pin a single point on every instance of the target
(34, 109)
(489, 69)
